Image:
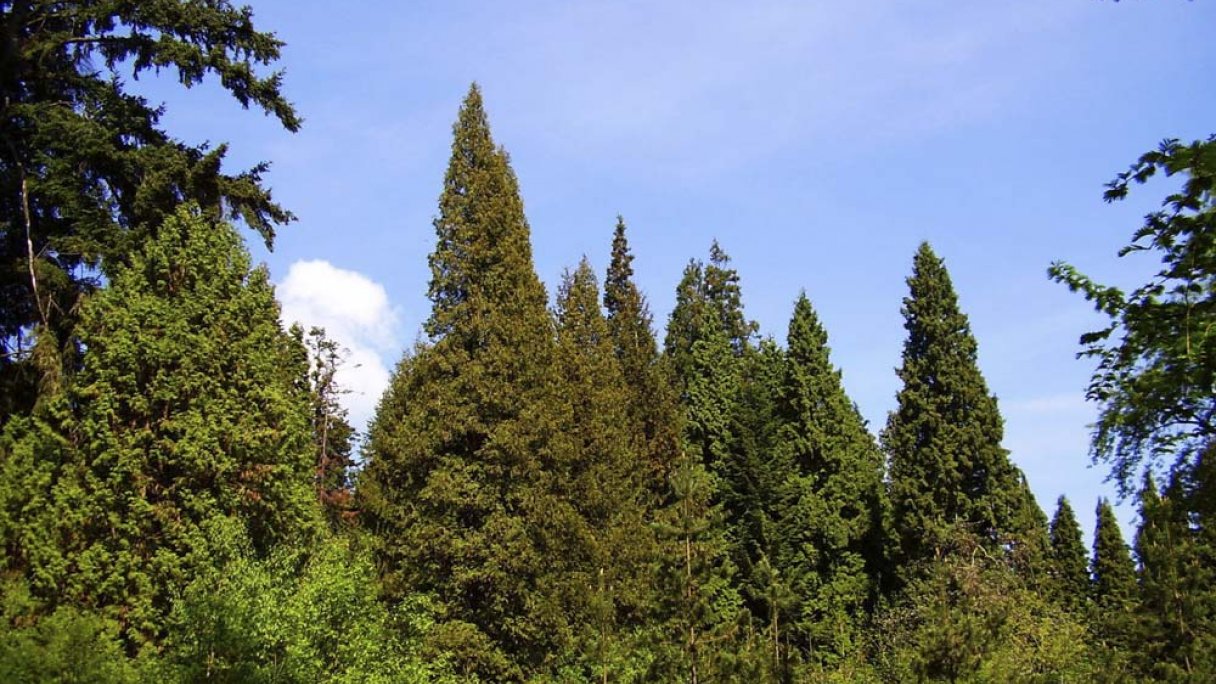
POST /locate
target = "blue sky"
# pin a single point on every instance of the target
(818, 142)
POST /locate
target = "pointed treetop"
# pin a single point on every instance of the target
(1069, 559)
(1114, 574)
(578, 306)
(482, 263)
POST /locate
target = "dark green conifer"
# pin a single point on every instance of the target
(698, 603)
(186, 418)
(1177, 619)
(831, 487)
(943, 442)
(460, 487)
(1069, 559)
(1114, 588)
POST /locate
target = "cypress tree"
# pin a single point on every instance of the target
(184, 421)
(1069, 559)
(948, 471)
(610, 546)
(1114, 588)
(831, 488)
(653, 404)
(460, 486)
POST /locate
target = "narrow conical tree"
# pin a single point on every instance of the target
(186, 425)
(1069, 559)
(948, 471)
(653, 404)
(459, 485)
(1114, 588)
(829, 515)
(698, 603)
(609, 545)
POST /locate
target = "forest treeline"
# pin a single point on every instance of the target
(549, 491)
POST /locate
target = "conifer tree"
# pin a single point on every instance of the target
(1177, 620)
(186, 418)
(653, 404)
(1114, 582)
(1069, 559)
(333, 435)
(610, 547)
(943, 442)
(830, 507)
(460, 487)
(698, 603)
(707, 296)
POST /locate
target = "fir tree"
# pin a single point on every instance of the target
(653, 404)
(460, 487)
(943, 442)
(185, 418)
(830, 475)
(1069, 559)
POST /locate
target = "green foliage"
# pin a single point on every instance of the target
(67, 646)
(972, 619)
(698, 602)
(1069, 559)
(608, 548)
(333, 436)
(948, 471)
(1156, 360)
(297, 617)
(1178, 618)
(88, 173)
(829, 475)
(652, 405)
(463, 487)
(1114, 590)
(185, 412)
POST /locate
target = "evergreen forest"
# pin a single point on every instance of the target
(555, 487)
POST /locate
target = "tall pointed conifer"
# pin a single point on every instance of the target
(830, 509)
(459, 486)
(609, 545)
(1069, 559)
(949, 473)
(1114, 583)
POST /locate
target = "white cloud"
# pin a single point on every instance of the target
(355, 311)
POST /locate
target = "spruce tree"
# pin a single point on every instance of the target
(653, 404)
(1069, 559)
(1114, 588)
(185, 420)
(948, 470)
(460, 486)
(828, 519)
